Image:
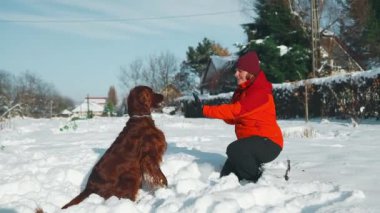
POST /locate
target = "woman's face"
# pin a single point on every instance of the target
(241, 76)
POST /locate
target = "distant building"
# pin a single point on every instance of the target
(336, 56)
(95, 105)
(65, 113)
(219, 75)
(170, 93)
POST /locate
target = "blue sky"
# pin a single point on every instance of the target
(80, 45)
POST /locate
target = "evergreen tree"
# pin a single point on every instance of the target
(361, 29)
(275, 26)
(372, 32)
(110, 107)
(198, 57)
(275, 20)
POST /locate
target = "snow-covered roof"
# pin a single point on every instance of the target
(94, 107)
(66, 112)
(97, 100)
(221, 61)
(328, 33)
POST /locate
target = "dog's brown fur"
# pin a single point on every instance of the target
(39, 210)
(135, 155)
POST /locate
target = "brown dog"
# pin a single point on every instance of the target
(134, 157)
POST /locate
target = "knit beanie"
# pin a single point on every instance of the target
(249, 62)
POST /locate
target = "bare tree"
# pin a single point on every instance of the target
(150, 73)
(33, 93)
(133, 75)
(157, 72)
(38, 98)
(6, 90)
(34, 97)
(167, 65)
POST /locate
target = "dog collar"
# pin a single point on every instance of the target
(141, 116)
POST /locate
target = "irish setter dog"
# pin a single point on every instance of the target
(134, 157)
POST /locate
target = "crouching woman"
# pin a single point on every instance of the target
(252, 111)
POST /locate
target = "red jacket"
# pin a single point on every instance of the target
(252, 111)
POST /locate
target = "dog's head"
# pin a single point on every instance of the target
(142, 99)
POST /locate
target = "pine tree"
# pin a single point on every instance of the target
(198, 57)
(361, 29)
(273, 27)
(110, 107)
(371, 33)
(275, 20)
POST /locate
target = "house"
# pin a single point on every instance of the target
(336, 57)
(65, 113)
(93, 105)
(219, 75)
(170, 93)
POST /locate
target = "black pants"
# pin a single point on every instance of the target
(246, 156)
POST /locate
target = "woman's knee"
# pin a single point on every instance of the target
(240, 147)
(232, 149)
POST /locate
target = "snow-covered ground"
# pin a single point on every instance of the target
(336, 168)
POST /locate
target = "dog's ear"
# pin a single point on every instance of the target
(145, 98)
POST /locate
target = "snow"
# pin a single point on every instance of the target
(283, 49)
(189, 98)
(334, 167)
(259, 41)
(355, 76)
(66, 112)
(91, 106)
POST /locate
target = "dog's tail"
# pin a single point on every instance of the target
(83, 195)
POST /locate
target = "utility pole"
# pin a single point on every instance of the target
(306, 102)
(51, 108)
(88, 106)
(315, 36)
(315, 45)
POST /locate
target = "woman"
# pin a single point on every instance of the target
(252, 111)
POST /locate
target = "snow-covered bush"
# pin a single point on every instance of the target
(355, 95)
(299, 132)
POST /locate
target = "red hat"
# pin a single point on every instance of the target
(249, 62)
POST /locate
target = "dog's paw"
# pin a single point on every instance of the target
(164, 182)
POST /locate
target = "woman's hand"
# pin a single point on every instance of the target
(198, 106)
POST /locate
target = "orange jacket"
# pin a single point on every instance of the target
(252, 110)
